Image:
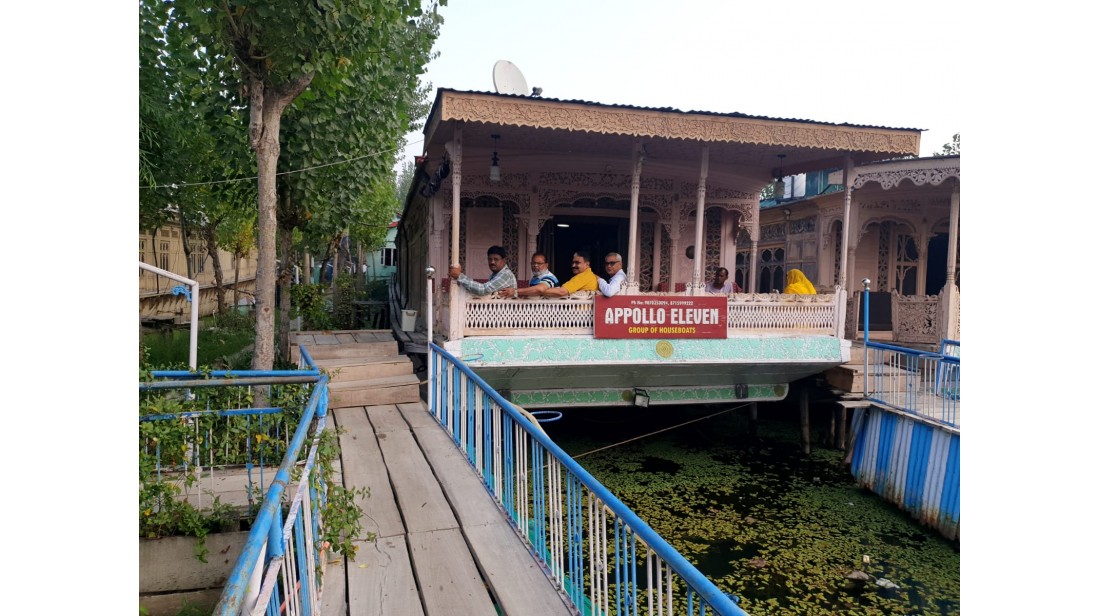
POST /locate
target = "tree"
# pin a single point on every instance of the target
(192, 135)
(951, 148)
(279, 49)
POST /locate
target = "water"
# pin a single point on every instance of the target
(778, 528)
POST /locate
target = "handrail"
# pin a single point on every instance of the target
(696, 581)
(268, 523)
(194, 298)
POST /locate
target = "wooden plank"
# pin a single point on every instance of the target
(517, 581)
(354, 350)
(334, 586)
(325, 339)
(363, 466)
(372, 392)
(346, 338)
(386, 418)
(416, 415)
(361, 368)
(418, 493)
(381, 581)
(449, 579)
(378, 335)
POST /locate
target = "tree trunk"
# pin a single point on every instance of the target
(156, 259)
(186, 247)
(237, 256)
(285, 245)
(209, 232)
(265, 116)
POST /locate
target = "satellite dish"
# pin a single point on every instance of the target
(508, 80)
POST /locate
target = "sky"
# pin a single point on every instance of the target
(828, 62)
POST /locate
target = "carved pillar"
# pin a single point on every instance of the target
(700, 206)
(534, 225)
(631, 286)
(951, 294)
(754, 240)
(456, 189)
(845, 233)
(923, 236)
(458, 295)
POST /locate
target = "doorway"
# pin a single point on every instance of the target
(936, 274)
(561, 236)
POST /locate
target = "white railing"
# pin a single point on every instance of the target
(193, 354)
(776, 311)
(758, 312)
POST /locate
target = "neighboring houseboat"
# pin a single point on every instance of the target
(382, 263)
(163, 247)
(904, 224)
(677, 195)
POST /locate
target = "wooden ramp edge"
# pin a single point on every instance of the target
(515, 577)
(423, 561)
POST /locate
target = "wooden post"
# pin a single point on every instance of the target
(804, 411)
(752, 418)
(841, 413)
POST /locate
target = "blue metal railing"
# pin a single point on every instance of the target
(276, 572)
(922, 383)
(599, 552)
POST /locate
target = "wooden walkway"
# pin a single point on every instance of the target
(443, 546)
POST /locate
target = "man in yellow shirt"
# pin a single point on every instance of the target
(584, 279)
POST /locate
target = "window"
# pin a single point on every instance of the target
(772, 275)
(389, 257)
(906, 258)
(162, 255)
(198, 259)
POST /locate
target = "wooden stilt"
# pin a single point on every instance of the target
(804, 411)
(841, 413)
(752, 418)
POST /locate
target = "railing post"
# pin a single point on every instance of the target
(430, 271)
(866, 334)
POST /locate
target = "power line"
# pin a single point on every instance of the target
(248, 179)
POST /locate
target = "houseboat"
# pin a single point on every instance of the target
(677, 195)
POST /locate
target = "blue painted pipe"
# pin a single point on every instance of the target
(187, 374)
(233, 595)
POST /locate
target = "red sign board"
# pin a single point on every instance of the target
(661, 316)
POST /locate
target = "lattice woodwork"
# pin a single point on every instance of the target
(645, 258)
(916, 318)
(712, 239)
(883, 271)
(890, 179)
(709, 128)
(574, 314)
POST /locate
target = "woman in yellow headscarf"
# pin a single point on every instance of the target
(797, 283)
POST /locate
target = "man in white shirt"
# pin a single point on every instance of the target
(613, 264)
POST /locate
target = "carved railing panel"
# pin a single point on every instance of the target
(916, 318)
(488, 313)
(777, 311)
(759, 312)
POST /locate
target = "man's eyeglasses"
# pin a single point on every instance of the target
(537, 263)
(610, 262)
